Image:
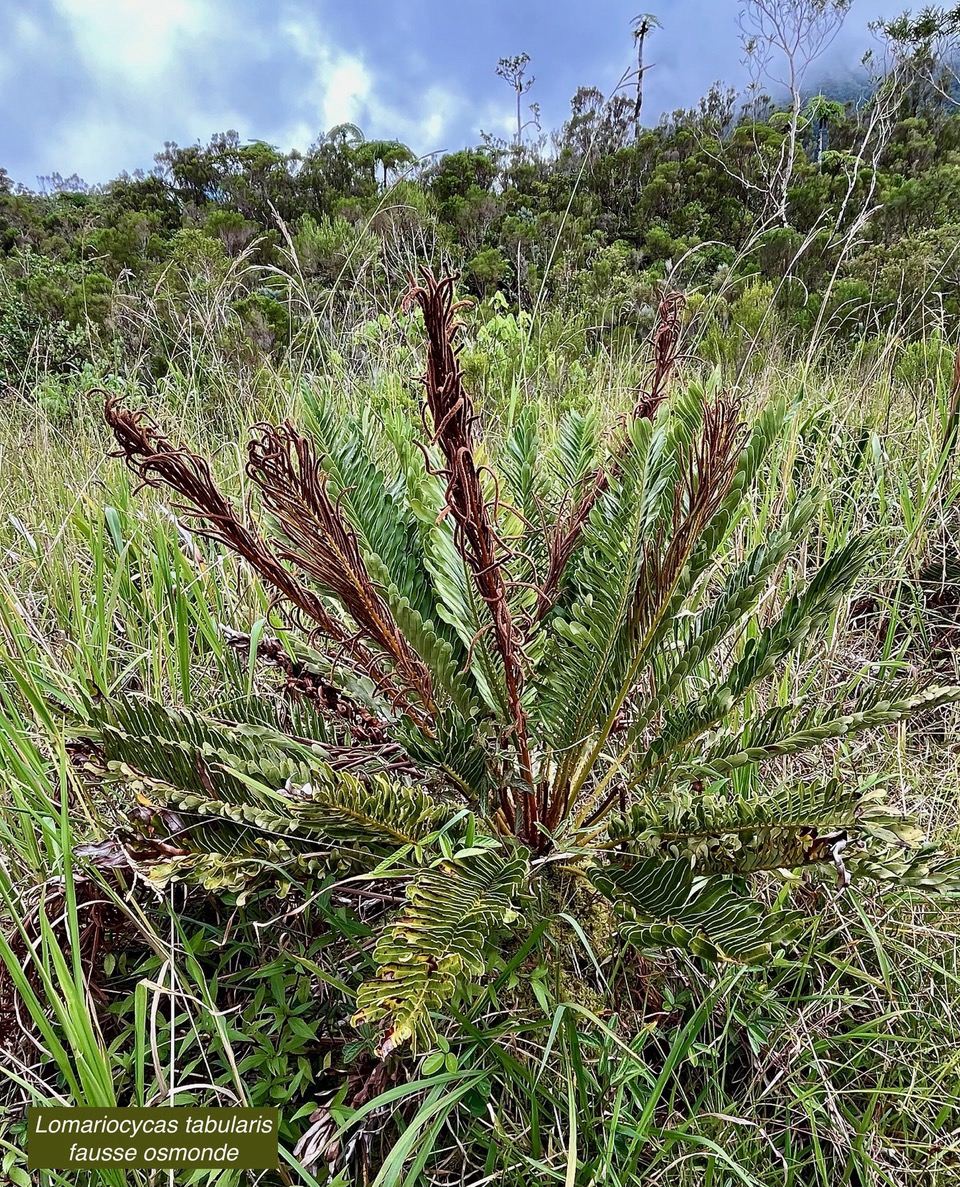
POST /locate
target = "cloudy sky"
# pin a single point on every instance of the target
(96, 86)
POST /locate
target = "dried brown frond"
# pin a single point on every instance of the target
(563, 542)
(304, 681)
(157, 462)
(322, 1144)
(665, 342)
(710, 472)
(666, 348)
(102, 928)
(285, 467)
(452, 415)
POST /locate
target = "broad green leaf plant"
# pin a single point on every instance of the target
(513, 679)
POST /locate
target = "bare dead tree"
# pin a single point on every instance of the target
(877, 118)
(926, 47)
(513, 71)
(642, 25)
(890, 76)
(781, 40)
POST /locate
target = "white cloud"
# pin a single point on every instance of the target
(500, 119)
(339, 87)
(157, 70)
(24, 37)
(26, 32)
(425, 132)
(132, 39)
(343, 90)
(133, 53)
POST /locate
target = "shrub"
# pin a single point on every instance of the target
(927, 363)
(335, 250)
(519, 692)
(735, 334)
(486, 270)
(266, 321)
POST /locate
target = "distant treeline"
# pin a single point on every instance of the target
(824, 215)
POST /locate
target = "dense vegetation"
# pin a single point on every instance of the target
(834, 217)
(539, 771)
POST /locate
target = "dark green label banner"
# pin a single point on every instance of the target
(96, 1139)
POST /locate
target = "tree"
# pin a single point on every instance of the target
(255, 178)
(512, 70)
(56, 183)
(642, 27)
(486, 270)
(231, 228)
(926, 46)
(781, 39)
(343, 134)
(335, 168)
(820, 112)
(389, 154)
(597, 126)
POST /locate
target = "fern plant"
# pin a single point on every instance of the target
(508, 677)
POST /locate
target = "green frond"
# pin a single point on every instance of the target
(374, 503)
(376, 812)
(722, 830)
(271, 863)
(927, 869)
(590, 638)
(197, 753)
(197, 759)
(289, 718)
(440, 939)
(245, 822)
(664, 905)
(522, 499)
(252, 778)
(518, 462)
(633, 574)
(335, 811)
(136, 716)
(574, 455)
(444, 660)
(781, 732)
(702, 634)
(457, 750)
(804, 614)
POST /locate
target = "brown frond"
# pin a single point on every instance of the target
(303, 681)
(706, 484)
(563, 542)
(285, 467)
(452, 416)
(157, 462)
(665, 342)
(666, 347)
